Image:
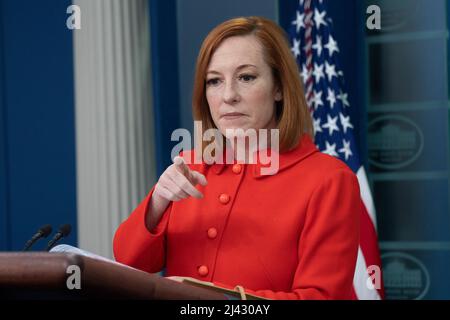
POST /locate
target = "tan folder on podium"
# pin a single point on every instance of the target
(238, 291)
(43, 275)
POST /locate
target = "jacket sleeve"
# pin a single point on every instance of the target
(328, 243)
(136, 246)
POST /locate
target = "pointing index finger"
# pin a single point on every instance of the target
(181, 166)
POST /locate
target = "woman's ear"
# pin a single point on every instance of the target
(278, 95)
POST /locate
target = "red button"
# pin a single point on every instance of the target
(212, 233)
(237, 168)
(203, 271)
(224, 198)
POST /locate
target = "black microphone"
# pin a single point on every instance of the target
(63, 231)
(43, 232)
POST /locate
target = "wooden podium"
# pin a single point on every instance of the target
(42, 275)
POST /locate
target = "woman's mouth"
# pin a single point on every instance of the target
(232, 115)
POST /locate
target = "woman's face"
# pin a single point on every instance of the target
(240, 88)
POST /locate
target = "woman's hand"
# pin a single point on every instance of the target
(176, 183)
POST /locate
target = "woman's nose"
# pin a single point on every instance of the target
(230, 94)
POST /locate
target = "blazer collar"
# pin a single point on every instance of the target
(304, 148)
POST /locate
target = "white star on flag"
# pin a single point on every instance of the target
(330, 70)
(331, 97)
(318, 45)
(296, 48)
(299, 23)
(330, 149)
(331, 46)
(331, 124)
(343, 97)
(304, 73)
(319, 18)
(346, 149)
(345, 121)
(317, 127)
(318, 72)
(317, 99)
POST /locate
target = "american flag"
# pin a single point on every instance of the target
(316, 51)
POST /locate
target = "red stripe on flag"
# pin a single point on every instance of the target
(308, 53)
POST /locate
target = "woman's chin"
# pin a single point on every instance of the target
(233, 129)
(234, 125)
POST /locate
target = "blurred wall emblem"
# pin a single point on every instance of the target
(405, 277)
(394, 142)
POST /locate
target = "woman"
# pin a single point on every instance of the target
(290, 235)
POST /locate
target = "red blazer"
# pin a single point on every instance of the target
(292, 235)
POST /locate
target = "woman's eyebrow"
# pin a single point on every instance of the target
(242, 66)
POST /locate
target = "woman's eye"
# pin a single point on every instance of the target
(247, 77)
(212, 82)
